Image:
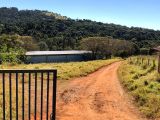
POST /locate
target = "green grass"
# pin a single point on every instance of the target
(66, 71)
(143, 83)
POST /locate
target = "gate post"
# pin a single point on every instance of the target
(53, 115)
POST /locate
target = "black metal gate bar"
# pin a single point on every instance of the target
(22, 96)
(16, 96)
(35, 98)
(41, 95)
(54, 95)
(4, 103)
(47, 96)
(10, 94)
(29, 97)
(9, 73)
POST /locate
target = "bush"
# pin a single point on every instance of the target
(152, 110)
(144, 51)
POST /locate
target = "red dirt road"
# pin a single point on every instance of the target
(99, 96)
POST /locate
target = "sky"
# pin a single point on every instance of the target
(137, 13)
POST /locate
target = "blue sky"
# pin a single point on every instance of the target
(138, 13)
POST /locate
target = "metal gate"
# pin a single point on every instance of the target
(28, 94)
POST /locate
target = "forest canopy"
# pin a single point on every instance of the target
(57, 32)
(43, 30)
(105, 47)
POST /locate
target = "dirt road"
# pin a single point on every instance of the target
(99, 96)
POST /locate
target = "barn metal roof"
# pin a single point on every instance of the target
(70, 52)
(157, 48)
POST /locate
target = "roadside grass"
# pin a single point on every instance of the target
(66, 71)
(143, 83)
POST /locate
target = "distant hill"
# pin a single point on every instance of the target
(55, 32)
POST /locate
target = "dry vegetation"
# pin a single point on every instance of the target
(65, 72)
(140, 77)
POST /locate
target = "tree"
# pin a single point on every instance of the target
(15, 41)
(1, 28)
(124, 48)
(91, 44)
(28, 43)
(48, 27)
(12, 55)
(104, 47)
(43, 46)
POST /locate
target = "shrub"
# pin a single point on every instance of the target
(12, 55)
(144, 51)
(146, 83)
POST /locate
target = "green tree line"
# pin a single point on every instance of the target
(105, 47)
(55, 32)
(13, 47)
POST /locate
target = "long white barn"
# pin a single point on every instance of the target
(57, 56)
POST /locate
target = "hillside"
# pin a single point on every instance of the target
(55, 32)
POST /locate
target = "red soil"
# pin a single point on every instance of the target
(99, 96)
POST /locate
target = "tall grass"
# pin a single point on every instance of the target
(66, 70)
(143, 83)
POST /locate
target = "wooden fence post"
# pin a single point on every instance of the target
(158, 62)
(142, 61)
(148, 61)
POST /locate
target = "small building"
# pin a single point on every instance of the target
(156, 48)
(57, 56)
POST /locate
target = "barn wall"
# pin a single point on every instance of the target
(56, 58)
(36, 59)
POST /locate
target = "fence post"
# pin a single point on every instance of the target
(154, 64)
(129, 60)
(142, 61)
(158, 62)
(137, 61)
(148, 61)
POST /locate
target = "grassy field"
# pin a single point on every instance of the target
(140, 77)
(66, 71)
